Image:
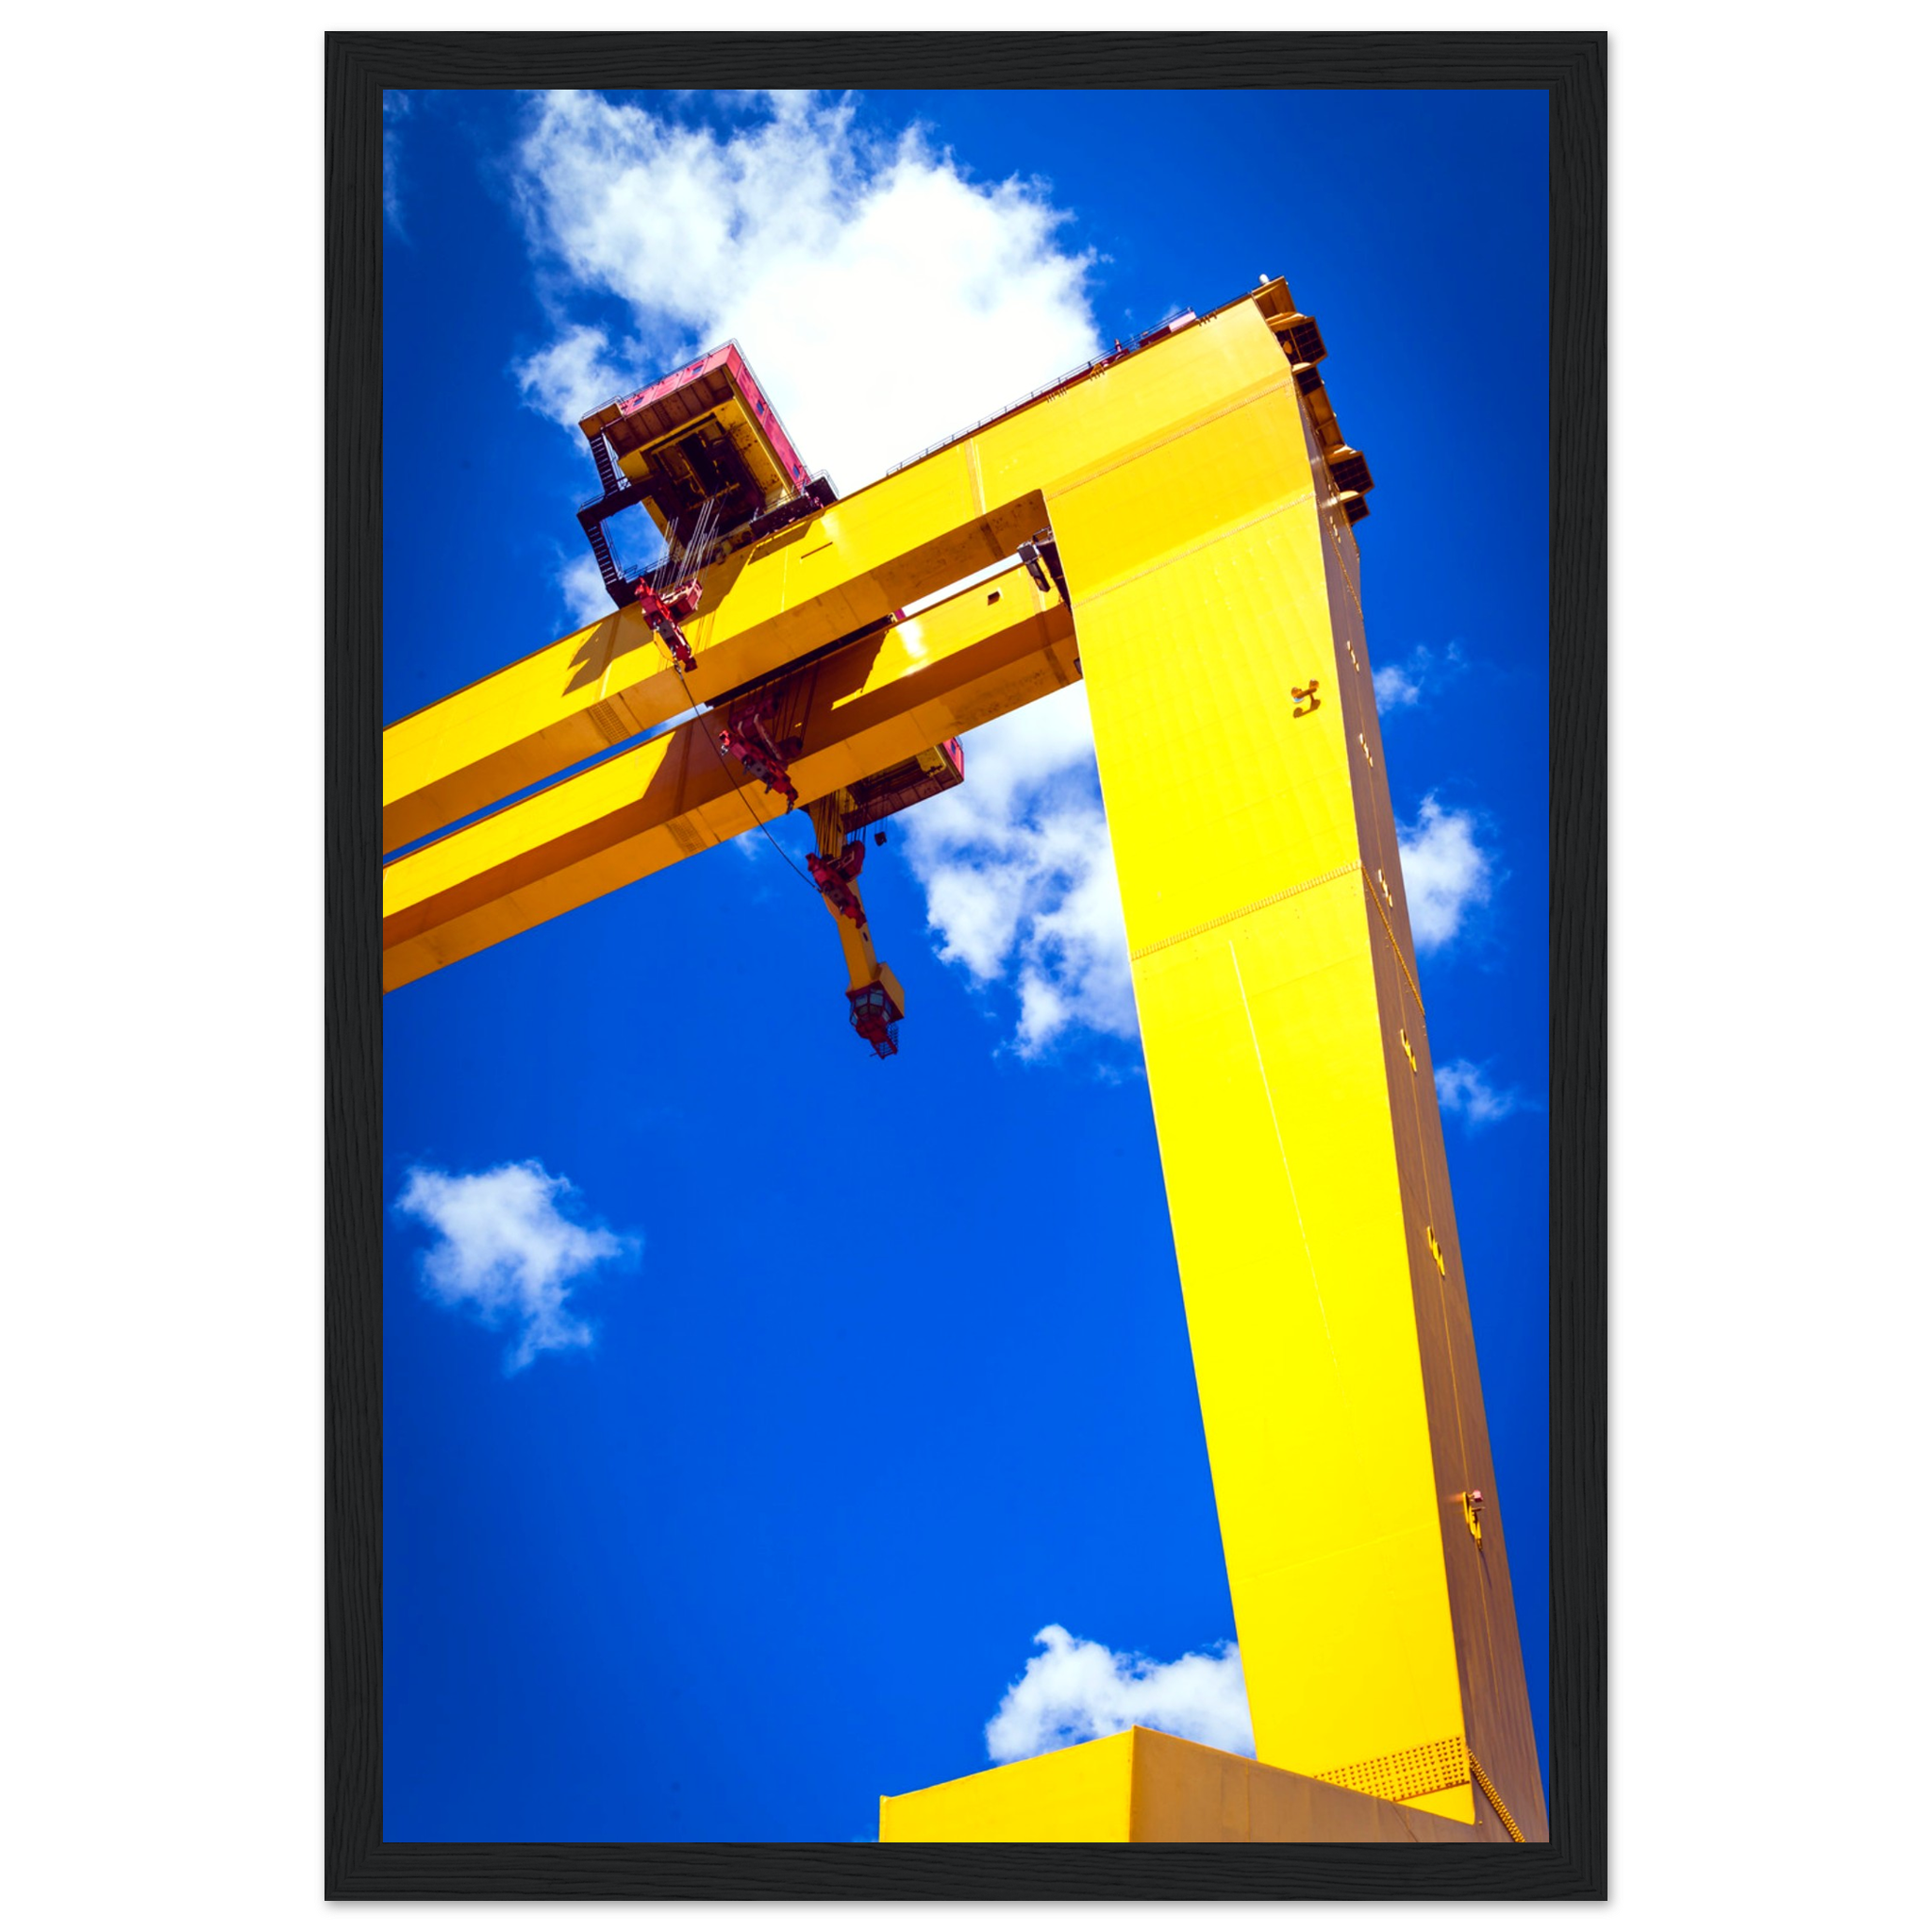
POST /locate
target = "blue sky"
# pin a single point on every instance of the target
(729, 1485)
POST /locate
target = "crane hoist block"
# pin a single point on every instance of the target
(876, 1009)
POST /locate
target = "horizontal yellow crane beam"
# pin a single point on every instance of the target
(763, 609)
(899, 539)
(860, 710)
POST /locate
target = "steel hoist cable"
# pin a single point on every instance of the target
(700, 538)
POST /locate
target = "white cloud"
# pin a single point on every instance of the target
(1019, 877)
(635, 546)
(1444, 872)
(1411, 678)
(507, 1254)
(1080, 1689)
(1395, 688)
(886, 301)
(1461, 1087)
(583, 589)
(571, 377)
(847, 267)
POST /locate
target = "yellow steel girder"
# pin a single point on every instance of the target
(901, 538)
(859, 711)
(763, 608)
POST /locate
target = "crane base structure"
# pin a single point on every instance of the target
(1175, 526)
(1142, 1787)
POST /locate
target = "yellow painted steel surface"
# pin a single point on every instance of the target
(762, 608)
(904, 537)
(1145, 1788)
(971, 658)
(1082, 1795)
(1196, 574)
(1215, 593)
(1210, 586)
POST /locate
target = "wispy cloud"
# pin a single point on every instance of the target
(1445, 872)
(1080, 1689)
(569, 377)
(1463, 1088)
(507, 1254)
(1019, 876)
(394, 106)
(584, 594)
(1409, 680)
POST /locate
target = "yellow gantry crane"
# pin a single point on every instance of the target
(1174, 525)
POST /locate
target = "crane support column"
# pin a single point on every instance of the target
(1213, 579)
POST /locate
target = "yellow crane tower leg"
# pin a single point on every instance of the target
(1213, 582)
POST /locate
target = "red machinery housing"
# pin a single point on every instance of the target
(705, 434)
(663, 612)
(932, 772)
(748, 738)
(835, 878)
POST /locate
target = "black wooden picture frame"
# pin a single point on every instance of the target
(1571, 67)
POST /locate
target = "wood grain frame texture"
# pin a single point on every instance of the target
(1571, 67)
